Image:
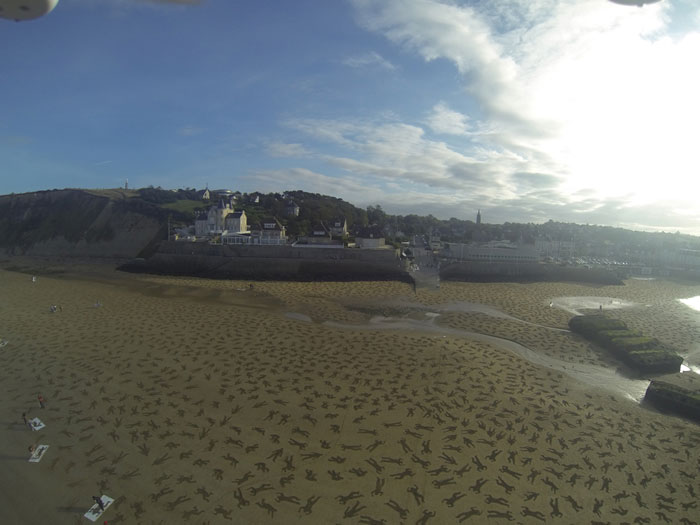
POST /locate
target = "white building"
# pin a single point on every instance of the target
(684, 259)
(370, 237)
(213, 221)
(292, 210)
(339, 227)
(236, 222)
(270, 231)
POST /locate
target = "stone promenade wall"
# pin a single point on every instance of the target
(285, 262)
(524, 272)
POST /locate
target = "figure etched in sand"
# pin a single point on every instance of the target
(98, 500)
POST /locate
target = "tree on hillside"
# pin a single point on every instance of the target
(157, 195)
(417, 225)
(376, 216)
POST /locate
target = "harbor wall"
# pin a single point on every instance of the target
(477, 271)
(284, 262)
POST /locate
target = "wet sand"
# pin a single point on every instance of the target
(193, 401)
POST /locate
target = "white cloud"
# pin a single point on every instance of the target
(282, 149)
(369, 59)
(399, 152)
(446, 121)
(190, 131)
(439, 30)
(587, 92)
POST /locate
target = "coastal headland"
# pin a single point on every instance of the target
(192, 400)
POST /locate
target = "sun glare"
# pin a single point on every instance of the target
(692, 302)
(626, 113)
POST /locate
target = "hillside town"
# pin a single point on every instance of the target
(225, 222)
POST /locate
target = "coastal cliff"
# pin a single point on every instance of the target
(80, 223)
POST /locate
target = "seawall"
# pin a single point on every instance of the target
(285, 262)
(477, 271)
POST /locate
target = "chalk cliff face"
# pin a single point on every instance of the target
(79, 223)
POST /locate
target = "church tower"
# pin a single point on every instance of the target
(478, 217)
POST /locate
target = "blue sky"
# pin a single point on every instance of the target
(574, 110)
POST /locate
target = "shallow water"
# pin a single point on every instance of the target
(298, 317)
(574, 305)
(467, 307)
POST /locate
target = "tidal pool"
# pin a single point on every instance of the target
(574, 305)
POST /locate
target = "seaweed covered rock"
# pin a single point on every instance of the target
(591, 325)
(653, 361)
(646, 355)
(678, 393)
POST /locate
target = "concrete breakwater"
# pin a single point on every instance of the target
(284, 262)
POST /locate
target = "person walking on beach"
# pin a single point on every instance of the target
(26, 421)
(98, 500)
(41, 401)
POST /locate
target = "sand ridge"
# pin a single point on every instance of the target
(196, 401)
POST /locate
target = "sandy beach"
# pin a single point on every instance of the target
(196, 401)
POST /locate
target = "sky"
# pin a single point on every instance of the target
(580, 111)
